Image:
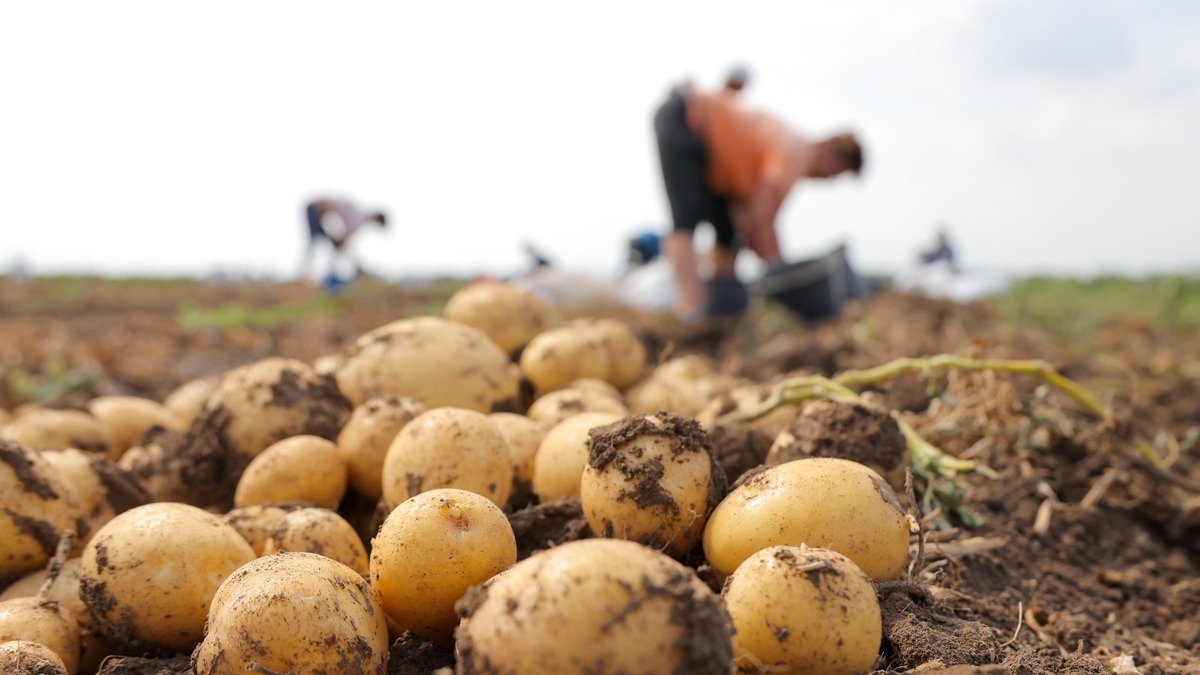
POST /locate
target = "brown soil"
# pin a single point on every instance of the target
(414, 655)
(854, 431)
(739, 448)
(547, 525)
(136, 665)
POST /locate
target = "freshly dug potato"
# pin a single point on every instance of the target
(294, 613)
(523, 436)
(149, 465)
(689, 368)
(65, 591)
(23, 656)
(435, 361)
(296, 469)
(5, 417)
(36, 507)
(653, 480)
(823, 502)
(364, 441)
(743, 400)
(509, 315)
(265, 402)
(430, 550)
(857, 431)
(448, 447)
(45, 622)
(328, 364)
(47, 429)
(597, 386)
(188, 400)
(102, 490)
(128, 417)
(319, 531)
(255, 523)
(656, 393)
(556, 406)
(803, 610)
(558, 357)
(610, 606)
(562, 454)
(626, 353)
(149, 575)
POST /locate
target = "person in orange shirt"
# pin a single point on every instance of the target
(732, 167)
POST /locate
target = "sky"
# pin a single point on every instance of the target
(1056, 136)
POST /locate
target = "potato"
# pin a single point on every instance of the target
(46, 429)
(23, 656)
(803, 610)
(523, 436)
(5, 417)
(149, 575)
(560, 356)
(509, 315)
(319, 531)
(689, 368)
(364, 441)
(45, 622)
(596, 385)
(36, 507)
(562, 454)
(556, 406)
(188, 400)
(430, 550)
(626, 353)
(744, 400)
(267, 401)
(435, 361)
(65, 591)
(128, 417)
(296, 469)
(594, 606)
(255, 523)
(655, 394)
(294, 613)
(448, 447)
(328, 364)
(149, 465)
(652, 480)
(101, 489)
(821, 502)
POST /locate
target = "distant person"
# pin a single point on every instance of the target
(942, 251)
(736, 80)
(644, 248)
(537, 259)
(732, 167)
(335, 221)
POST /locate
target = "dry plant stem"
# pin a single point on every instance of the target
(66, 542)
(1037, 368)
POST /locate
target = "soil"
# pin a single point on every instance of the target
(543, 526)
(136, 665)
(414, 655)
(854, 431)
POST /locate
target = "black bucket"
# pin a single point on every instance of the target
(814, 289)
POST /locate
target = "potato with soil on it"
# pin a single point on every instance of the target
(430, 550)
(49, 429)
(803, 610)
(626, 353)
(743, 400)
(363, 443)
(149, 575)
(260, 404)
(128, 417)
(509, 315)
(45, 622)
(32, 658)
(556, 406)
(558, 357)
(102, 490)
(435, 361)
(65, 591)
(36, 507)
(448, 448)
(822, 502)
(857, 431)
(562, 455)
(294, 613)
(652, 480)
(297, 469)
(255, 523)
(188, 399)
(688, 368)
(594, 606)
(319, 531)
(523, 436)
(151, 466)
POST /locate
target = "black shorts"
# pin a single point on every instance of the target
(684, 157)
(312, 215)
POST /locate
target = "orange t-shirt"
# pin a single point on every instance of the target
(746, 147)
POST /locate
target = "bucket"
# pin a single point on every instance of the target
(815, 288)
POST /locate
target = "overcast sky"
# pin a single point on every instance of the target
(156, 137)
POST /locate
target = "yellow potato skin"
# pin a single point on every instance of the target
(300, 468)
(36, 493)
(24, 656)
(364, 441)
(157, 567)
(558, 357)
(254, 523)
(65, 591)
(626, 353)
(790, 617)
(48, 429)
(188, 400)
(509, 315)
(128, 417)
(294, 613)
(523, 436)
(821, 502)
(45, 622)
(430, 550)
(319, 531)
(556, 406)
(562, 454)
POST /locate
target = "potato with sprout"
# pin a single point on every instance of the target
(651, 479)
(430, 550)
(319, 531)
(296, 469)
(363, 443)
(562, 455)
(509, 315)
(803, 610)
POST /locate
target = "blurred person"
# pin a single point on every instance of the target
(335, 221)
(644, 248)
(732, 167)
(736, 80)
(942, 251)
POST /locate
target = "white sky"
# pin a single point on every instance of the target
(163, 138)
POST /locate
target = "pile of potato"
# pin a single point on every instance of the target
(293, 518)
